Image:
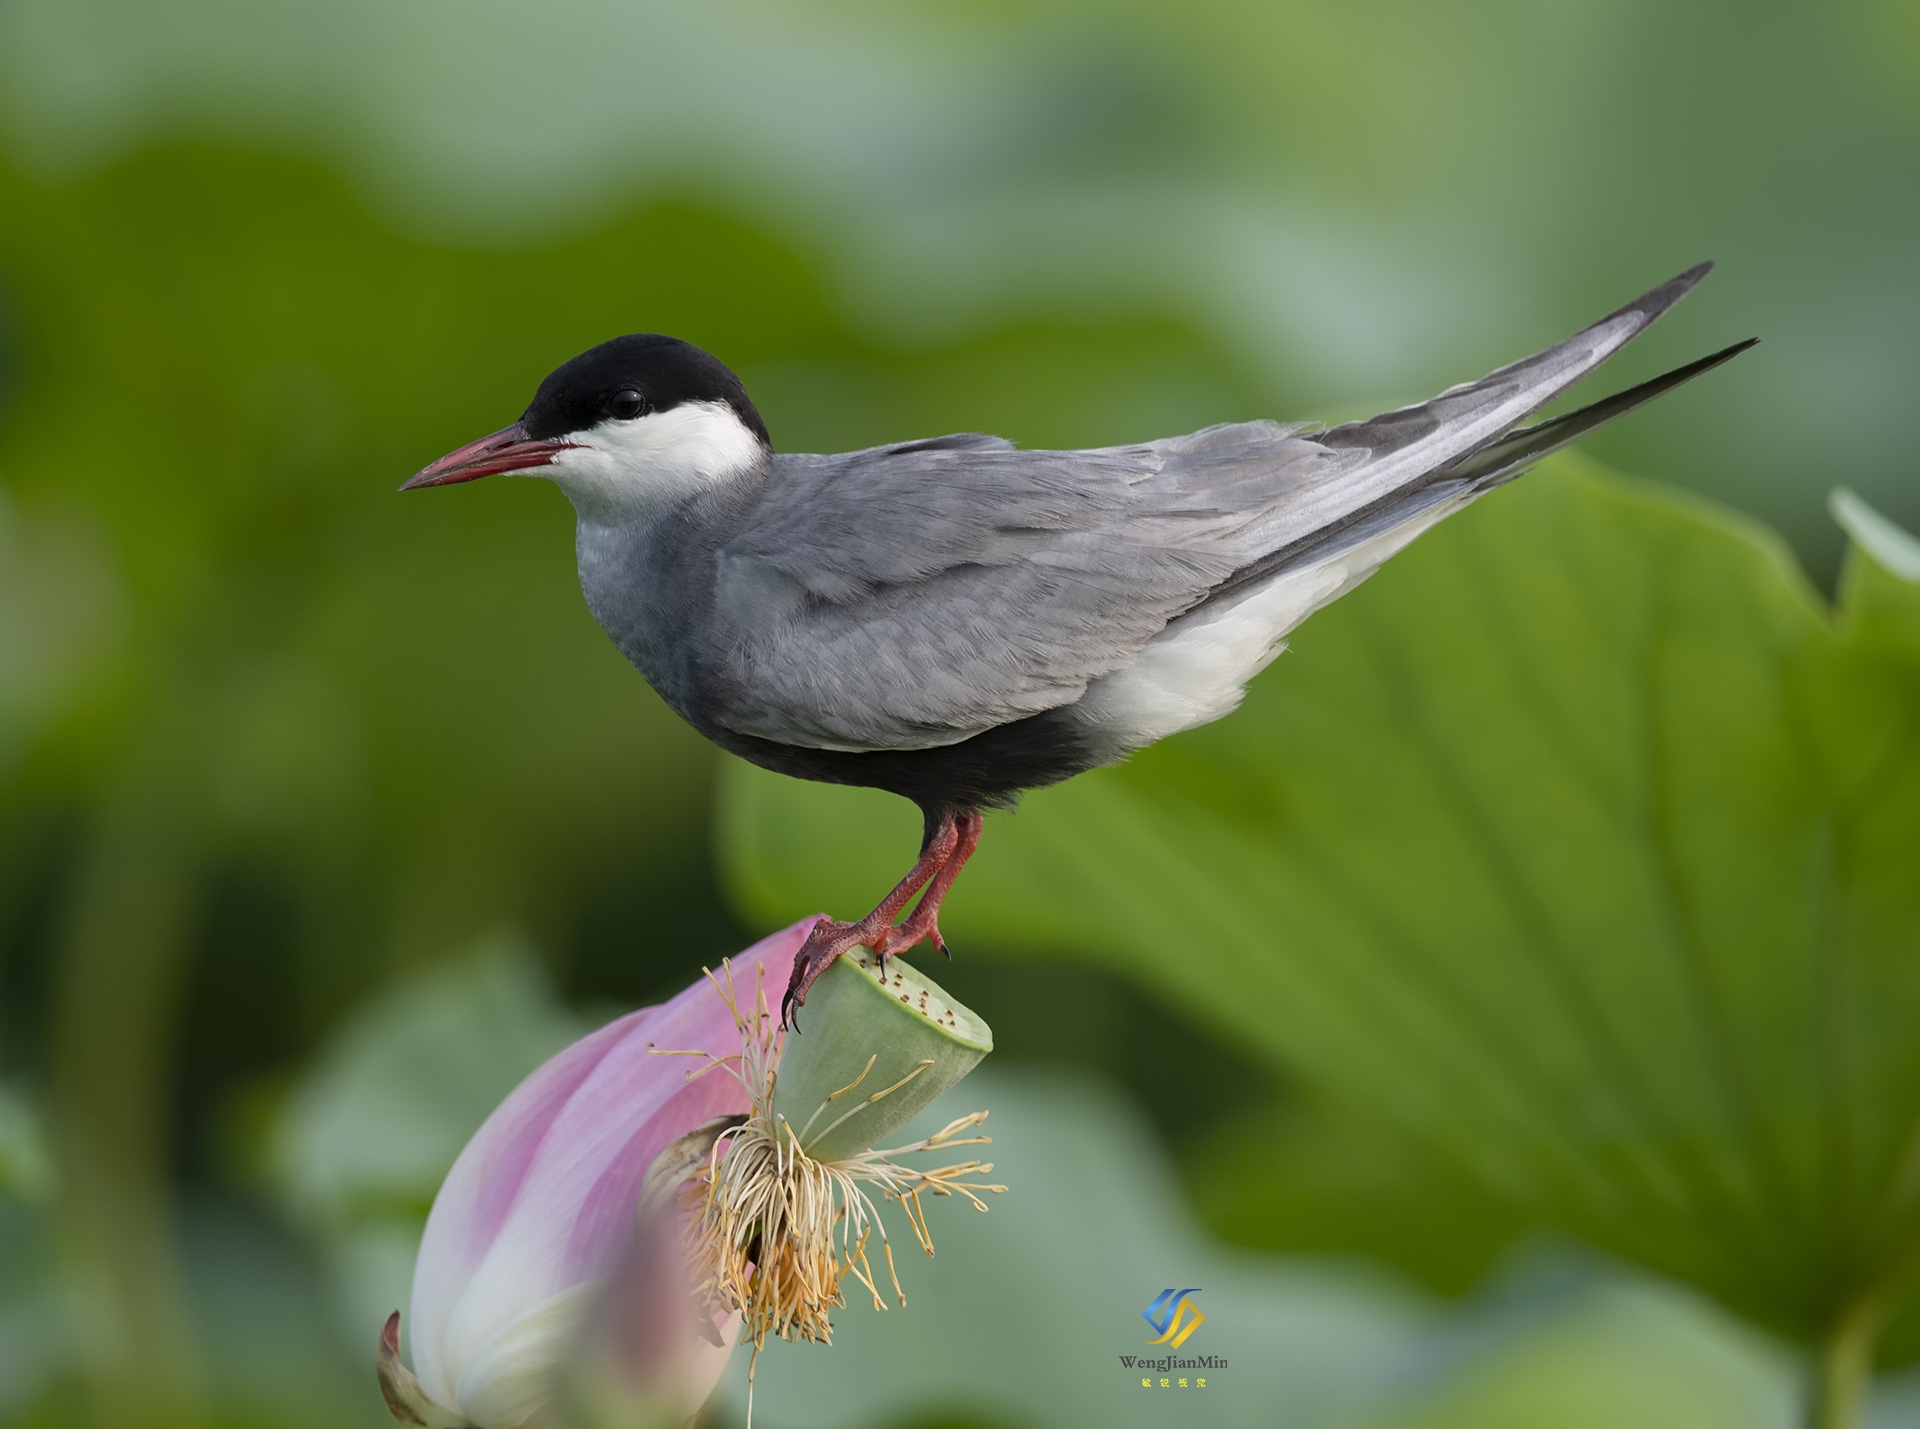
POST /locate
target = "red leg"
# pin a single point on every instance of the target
(924, 921)
(829, 939)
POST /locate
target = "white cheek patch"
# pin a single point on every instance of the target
(620, 469)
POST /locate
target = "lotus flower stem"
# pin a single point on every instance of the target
(1844, 1368)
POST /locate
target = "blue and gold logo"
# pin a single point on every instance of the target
(1174, 1316)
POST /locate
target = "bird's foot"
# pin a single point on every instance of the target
(829, 939)
(922, 926)
(826, 941)
(950, 843)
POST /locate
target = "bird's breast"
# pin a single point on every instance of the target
(648, 604)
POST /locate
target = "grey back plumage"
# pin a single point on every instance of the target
(913, 595)
(898, 599)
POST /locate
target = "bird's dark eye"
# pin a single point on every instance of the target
(626, 403)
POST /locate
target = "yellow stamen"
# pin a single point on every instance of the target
(835, 1096)
(918, 1069)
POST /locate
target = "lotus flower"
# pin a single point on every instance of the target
(538, 1215)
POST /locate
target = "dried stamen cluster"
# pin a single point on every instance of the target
(775, 1231)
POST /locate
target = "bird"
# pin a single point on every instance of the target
(957, 620)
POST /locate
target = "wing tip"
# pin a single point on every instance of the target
(1655, 301)
(1547, 373)
(1519, 449)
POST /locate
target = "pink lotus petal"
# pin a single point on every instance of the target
(542, 1199)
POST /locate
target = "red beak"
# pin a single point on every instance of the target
(509, 449)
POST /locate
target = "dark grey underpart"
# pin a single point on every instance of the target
(988, 771)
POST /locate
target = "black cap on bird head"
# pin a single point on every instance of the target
(602, 398)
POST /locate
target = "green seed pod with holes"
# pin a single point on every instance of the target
(877, 1049)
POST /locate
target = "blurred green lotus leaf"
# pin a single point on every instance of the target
(1581, 841)
(1894, 550)
(386, 1107)
(358, 1146)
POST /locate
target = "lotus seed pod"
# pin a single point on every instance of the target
(878, 1048)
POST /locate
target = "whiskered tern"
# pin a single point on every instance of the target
(956, 620)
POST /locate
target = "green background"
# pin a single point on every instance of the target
(1463, 1004)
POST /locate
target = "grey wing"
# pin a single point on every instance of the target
(914, 595)
(895, 599)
